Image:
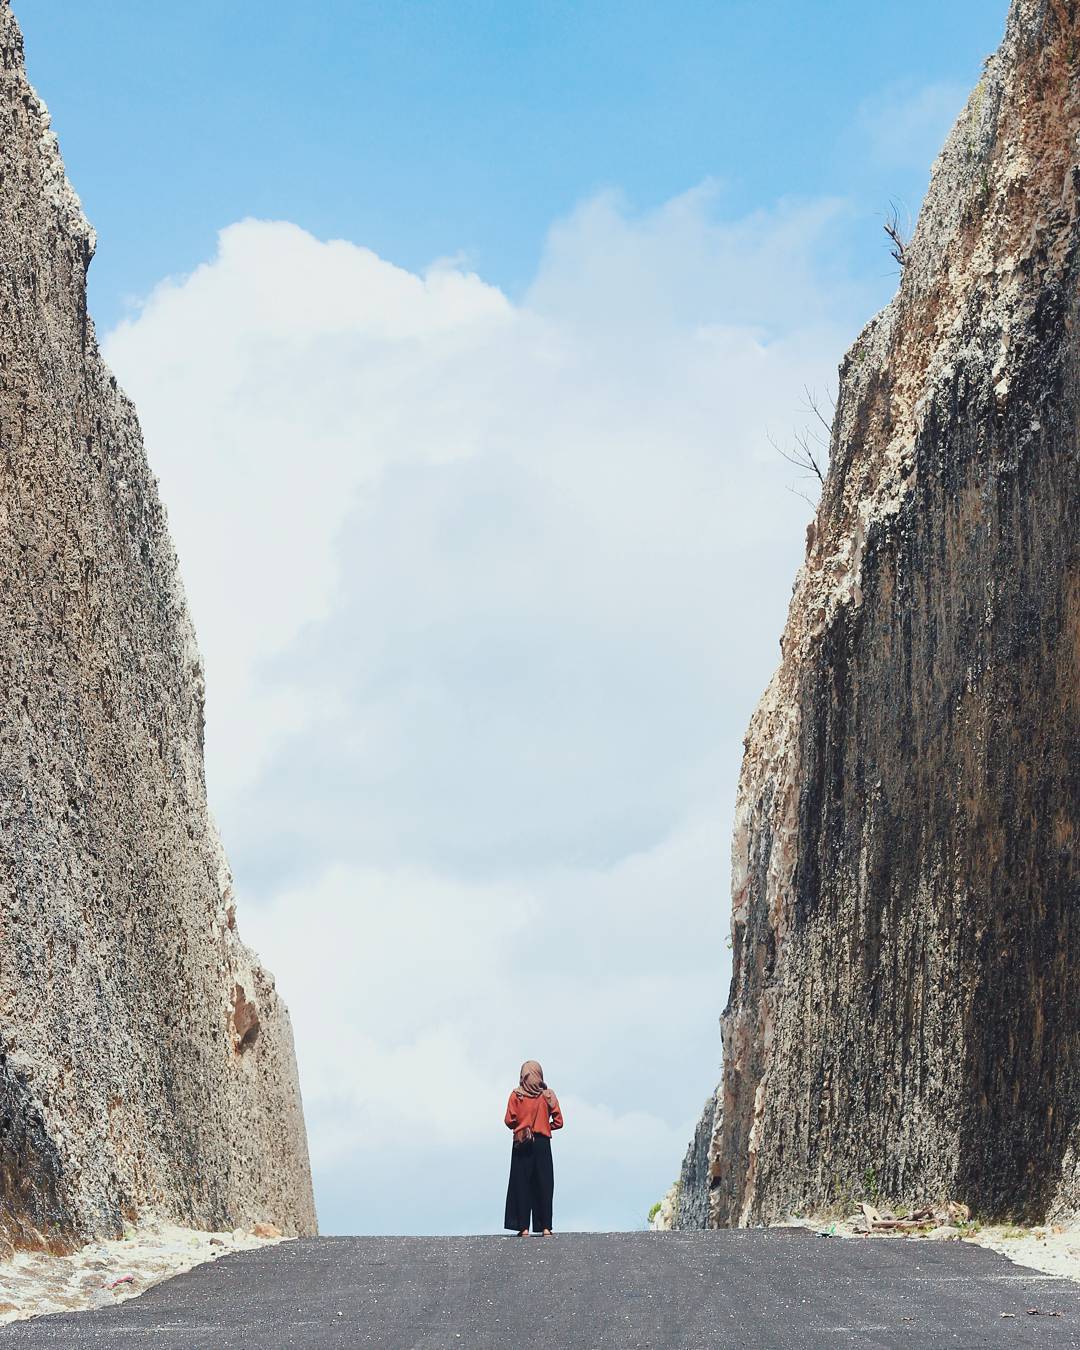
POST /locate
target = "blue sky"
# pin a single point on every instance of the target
(458, 333)
(425, 129)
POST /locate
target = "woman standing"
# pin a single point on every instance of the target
(532, 1113)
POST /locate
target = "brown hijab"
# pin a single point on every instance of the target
(532, 1082)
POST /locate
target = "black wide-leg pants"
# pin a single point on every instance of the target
(532, 1185)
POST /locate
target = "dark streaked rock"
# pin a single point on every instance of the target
(904, 1016)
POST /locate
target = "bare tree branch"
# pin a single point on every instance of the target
(892, 229)
(808, 457)
(802, 457)
(810, 449)
(814, 404)
(808, 500)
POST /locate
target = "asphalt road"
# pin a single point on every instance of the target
(767, 1290)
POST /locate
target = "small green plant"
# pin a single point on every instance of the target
(871, 1189)
(1013, 1233)
(984, 186)
(975, 107)
(654, 1211)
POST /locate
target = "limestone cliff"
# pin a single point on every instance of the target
(145, 1059)
(904, 1014)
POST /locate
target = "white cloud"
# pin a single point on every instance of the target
(486, 591)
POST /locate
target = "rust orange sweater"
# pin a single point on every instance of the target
(535, 1113)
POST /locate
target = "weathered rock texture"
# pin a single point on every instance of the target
(145, 1059)
(690, 1199)
(904, 1013)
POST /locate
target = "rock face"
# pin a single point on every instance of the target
(904, 1015)
(145, 1059)
(691, 1196)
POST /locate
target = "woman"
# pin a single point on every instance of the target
(532, 1113)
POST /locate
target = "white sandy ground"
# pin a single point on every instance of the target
(33, 1283)
(1053, 1249)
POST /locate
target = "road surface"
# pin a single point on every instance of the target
(768, 1290)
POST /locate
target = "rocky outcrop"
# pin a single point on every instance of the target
(146, 1061)
(904, 1015)
(692, 1192)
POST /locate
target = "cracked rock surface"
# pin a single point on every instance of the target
(146, 1061)
(904, 1011)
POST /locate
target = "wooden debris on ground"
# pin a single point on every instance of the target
(870, 1220)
